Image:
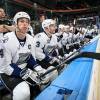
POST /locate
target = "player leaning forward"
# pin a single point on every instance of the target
(20, 55)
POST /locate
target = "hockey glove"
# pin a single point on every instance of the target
(29, 76)
(41, 71)
(54, 60)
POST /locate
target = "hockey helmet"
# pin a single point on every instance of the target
(47, 23)
(20, 15)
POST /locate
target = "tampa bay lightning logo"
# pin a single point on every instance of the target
(23, 58)
(29, 46)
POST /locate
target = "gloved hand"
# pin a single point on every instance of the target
(29, 76)
(67, 46)
(40, 71)
(54, 60)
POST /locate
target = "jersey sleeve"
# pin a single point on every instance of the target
(8, 58)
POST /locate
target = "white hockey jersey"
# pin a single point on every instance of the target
(17, 53)
(67, 38)
(2, 58)
(44, 45)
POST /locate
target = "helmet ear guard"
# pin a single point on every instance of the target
(20, 15)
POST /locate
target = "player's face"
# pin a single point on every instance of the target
(67, 29)
(23, 25)
(52, 28)
(2, 13)
(62, 30)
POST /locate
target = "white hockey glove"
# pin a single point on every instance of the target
(60, 58)
(40, 71)
(29, 76)
(54, 60)
(67, 46)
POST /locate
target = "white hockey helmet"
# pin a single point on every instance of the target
(61, 26)
(20, 15)
(47, 23)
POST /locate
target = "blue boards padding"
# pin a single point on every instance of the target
(75, 77)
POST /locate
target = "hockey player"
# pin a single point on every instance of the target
(89, 33)
(65, 41)
(20, 59)
(59, 36)
(60, 32)
(65, 35)
(46, 43)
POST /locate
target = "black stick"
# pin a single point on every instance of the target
(92, 55)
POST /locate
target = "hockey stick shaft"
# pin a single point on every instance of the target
(72, 58)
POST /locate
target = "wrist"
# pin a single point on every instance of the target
(3, 26)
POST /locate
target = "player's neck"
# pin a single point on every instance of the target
(21, 36)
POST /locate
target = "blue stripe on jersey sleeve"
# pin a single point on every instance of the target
(16, 71)
(47, 59)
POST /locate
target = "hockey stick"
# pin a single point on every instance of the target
(72, 58)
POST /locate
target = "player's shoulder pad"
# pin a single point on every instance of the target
(6, 36)
(40, 35)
